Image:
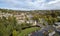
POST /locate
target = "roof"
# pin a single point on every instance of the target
(57, 23)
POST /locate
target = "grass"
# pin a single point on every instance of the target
(25, 32)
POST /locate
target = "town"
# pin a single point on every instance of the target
(29, 23)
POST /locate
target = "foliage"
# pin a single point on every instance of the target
(15, 33)
(7, 26)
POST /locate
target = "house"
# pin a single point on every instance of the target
(5, 15)
(57, 28)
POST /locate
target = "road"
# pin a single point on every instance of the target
(40, 32)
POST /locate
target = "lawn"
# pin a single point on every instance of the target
(25, 32)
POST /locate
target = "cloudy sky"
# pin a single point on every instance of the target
(30, 4)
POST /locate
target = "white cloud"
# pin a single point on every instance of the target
(53, 2)
(35, 4)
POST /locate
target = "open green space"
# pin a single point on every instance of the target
(27, 31)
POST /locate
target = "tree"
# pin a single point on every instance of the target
(14, 33)
(18, 27)
(7, 26)
(35, 18)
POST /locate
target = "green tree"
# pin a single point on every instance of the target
(14, 33)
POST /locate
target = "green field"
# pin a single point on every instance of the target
(25, 32)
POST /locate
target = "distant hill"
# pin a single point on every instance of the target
(12, 11)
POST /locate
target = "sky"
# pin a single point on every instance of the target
(30, 4)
